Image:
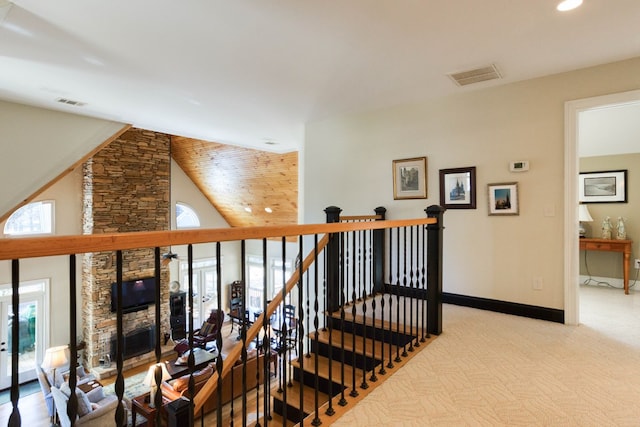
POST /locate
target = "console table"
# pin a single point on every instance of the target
(611, 245)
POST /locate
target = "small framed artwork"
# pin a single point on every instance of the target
(503, 199)
(458, 188)
(410, 178)
(603, 187)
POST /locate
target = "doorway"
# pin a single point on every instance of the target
(205, 290)
(573, 109)
(31, 342)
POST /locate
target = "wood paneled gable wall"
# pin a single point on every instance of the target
(234, 178)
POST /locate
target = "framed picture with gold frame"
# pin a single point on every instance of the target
(410, 178)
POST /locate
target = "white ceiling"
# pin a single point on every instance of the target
(247, 72)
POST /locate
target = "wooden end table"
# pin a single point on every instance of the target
(140, 405)
(611, 245)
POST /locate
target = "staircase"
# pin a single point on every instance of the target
(371, 349)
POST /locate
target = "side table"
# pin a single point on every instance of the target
(140, 405)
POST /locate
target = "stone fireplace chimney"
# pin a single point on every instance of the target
(126, 188)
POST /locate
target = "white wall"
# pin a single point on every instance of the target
(40, 145)
(68, 210)
(489, 257)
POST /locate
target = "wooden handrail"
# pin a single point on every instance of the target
(32, 247)
(210, 386)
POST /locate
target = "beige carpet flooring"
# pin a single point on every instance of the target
(491, 369)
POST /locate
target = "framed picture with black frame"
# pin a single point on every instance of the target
(458, 188)
(603, 187)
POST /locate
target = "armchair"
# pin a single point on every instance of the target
(94, 408)
(207, 333)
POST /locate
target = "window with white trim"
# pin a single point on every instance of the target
(186, 217)
(34, 218)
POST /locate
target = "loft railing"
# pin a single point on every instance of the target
(366, 261)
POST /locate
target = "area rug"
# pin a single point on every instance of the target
(133, 386)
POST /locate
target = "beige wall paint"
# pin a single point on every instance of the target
(604, 264)
(348, 164)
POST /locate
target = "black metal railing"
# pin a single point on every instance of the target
(365, 295)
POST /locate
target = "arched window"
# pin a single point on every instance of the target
(186, 217)
(34, 218)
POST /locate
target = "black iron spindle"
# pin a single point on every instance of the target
(119, 384)
(301, 330)
(316, 420)
(363, 288)
(219, 342)
(14, 418)
(343, 298)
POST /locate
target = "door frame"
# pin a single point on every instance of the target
(42, 333)
(572, 112)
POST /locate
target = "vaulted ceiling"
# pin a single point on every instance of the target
(248, 72)
(248, 187)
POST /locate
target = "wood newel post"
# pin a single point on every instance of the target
(378, 253)
(333, 261)
(434, 270)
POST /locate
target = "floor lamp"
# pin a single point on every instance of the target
(54, 358)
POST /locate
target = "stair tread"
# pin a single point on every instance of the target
(275, 420)
(293, 397)
(323, 369)
(336, 340)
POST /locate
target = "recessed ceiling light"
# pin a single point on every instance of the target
(247, 209)
(566, 5)
(268, 210)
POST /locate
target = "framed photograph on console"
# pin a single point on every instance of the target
(503, 199)
(410, 178)
(458, 188)
(603, 187)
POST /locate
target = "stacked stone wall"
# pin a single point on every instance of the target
(126, 188)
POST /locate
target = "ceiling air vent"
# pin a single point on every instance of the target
(464, 78)
(71, 102)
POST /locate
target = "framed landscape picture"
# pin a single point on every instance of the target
(410, 178)
(603, 187)
(458, 188)
(503, 199)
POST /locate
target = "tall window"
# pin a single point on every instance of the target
(34, 218)
(205, 289)
(256, 274)
(186, 217)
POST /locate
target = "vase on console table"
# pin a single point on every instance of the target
(606, 228)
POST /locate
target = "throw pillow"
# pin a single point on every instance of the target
(84, 405)
(206, 329)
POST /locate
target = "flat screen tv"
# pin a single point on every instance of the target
(136, 294)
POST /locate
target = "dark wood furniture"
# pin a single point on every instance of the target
(140, 405)
(201, 359)
(89, 385)
(611, 245)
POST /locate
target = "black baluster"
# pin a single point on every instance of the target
(362, 284)
(119, 384)
(316, 421)
(354, 392)
(219, 342)
(15, 419)
(391, 254)
(373, 377)
(404, 289)
(343, 297)
(411, 295)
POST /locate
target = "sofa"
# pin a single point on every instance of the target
(179, 387)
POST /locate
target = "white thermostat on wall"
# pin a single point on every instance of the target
(519, 166)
